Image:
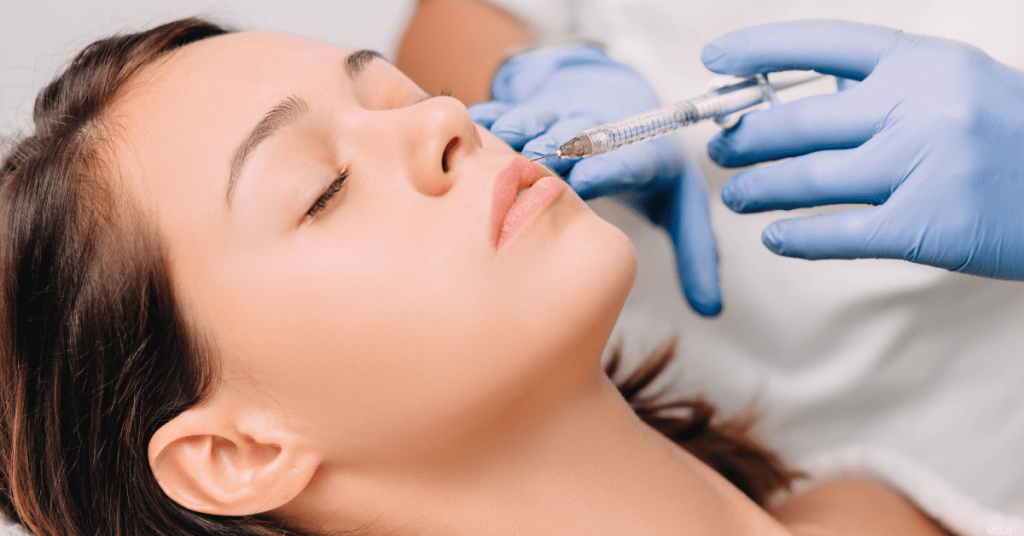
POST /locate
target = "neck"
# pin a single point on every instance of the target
(585, 465)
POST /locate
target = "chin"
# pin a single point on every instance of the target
(608, 263)
(567, 281)
(595, 270)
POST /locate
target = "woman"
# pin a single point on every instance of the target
(259, 285)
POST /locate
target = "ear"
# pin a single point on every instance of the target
(231, 459)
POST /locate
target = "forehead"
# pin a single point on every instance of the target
(247, 58)
(185, 115)
(227, 82)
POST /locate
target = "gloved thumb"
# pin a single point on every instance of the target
(839, 48)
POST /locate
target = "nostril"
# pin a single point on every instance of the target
(448, 150)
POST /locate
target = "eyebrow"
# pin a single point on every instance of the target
(284, 114)
(356, 61)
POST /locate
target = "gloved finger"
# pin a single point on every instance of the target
(822, 122)
(631, 167)
(696, 251)
(851, 234)
(866, 174)
(846, 49)
(557, 134)
(485, 113)
(521, 124)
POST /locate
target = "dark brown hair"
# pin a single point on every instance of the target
(96, 354)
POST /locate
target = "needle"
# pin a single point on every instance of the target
(543, 157)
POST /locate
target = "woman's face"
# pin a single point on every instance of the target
(354, 256)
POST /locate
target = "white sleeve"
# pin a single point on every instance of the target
(555, 21)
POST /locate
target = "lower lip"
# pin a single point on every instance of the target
(538, 197)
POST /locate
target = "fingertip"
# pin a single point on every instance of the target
(711, 54)
(509, 126)
(731, 195)
(717, 149)
(522, 124)
(725, 55)
(710, 309)
(696, 249)
(540, 146)
(721, 152)
(485, 113)
(744, 193)
(733, 53)
(701, 287)
(771, 237)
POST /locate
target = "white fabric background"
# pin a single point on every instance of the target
(903, 357)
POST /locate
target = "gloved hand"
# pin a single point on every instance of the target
(933, 133)
(545, 97)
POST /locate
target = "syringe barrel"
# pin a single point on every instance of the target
(660, 121)
(633, 129)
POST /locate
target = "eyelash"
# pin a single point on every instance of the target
(335, 186)
(325, 198)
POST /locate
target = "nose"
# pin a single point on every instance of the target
(436, 136)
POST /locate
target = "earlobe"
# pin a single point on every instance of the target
(214, 460)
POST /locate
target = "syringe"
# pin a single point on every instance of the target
(719, 104)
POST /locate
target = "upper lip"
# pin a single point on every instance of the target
(517, 176)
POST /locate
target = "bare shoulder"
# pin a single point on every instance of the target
(854, 507)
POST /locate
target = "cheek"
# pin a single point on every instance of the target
(384, 335)
(413, 343)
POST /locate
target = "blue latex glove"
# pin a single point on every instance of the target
(545, 97)
(933, 133)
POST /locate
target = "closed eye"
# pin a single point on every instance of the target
(325, 197)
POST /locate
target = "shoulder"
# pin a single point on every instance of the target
(854, 507)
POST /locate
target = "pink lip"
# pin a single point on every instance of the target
(509, 215)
